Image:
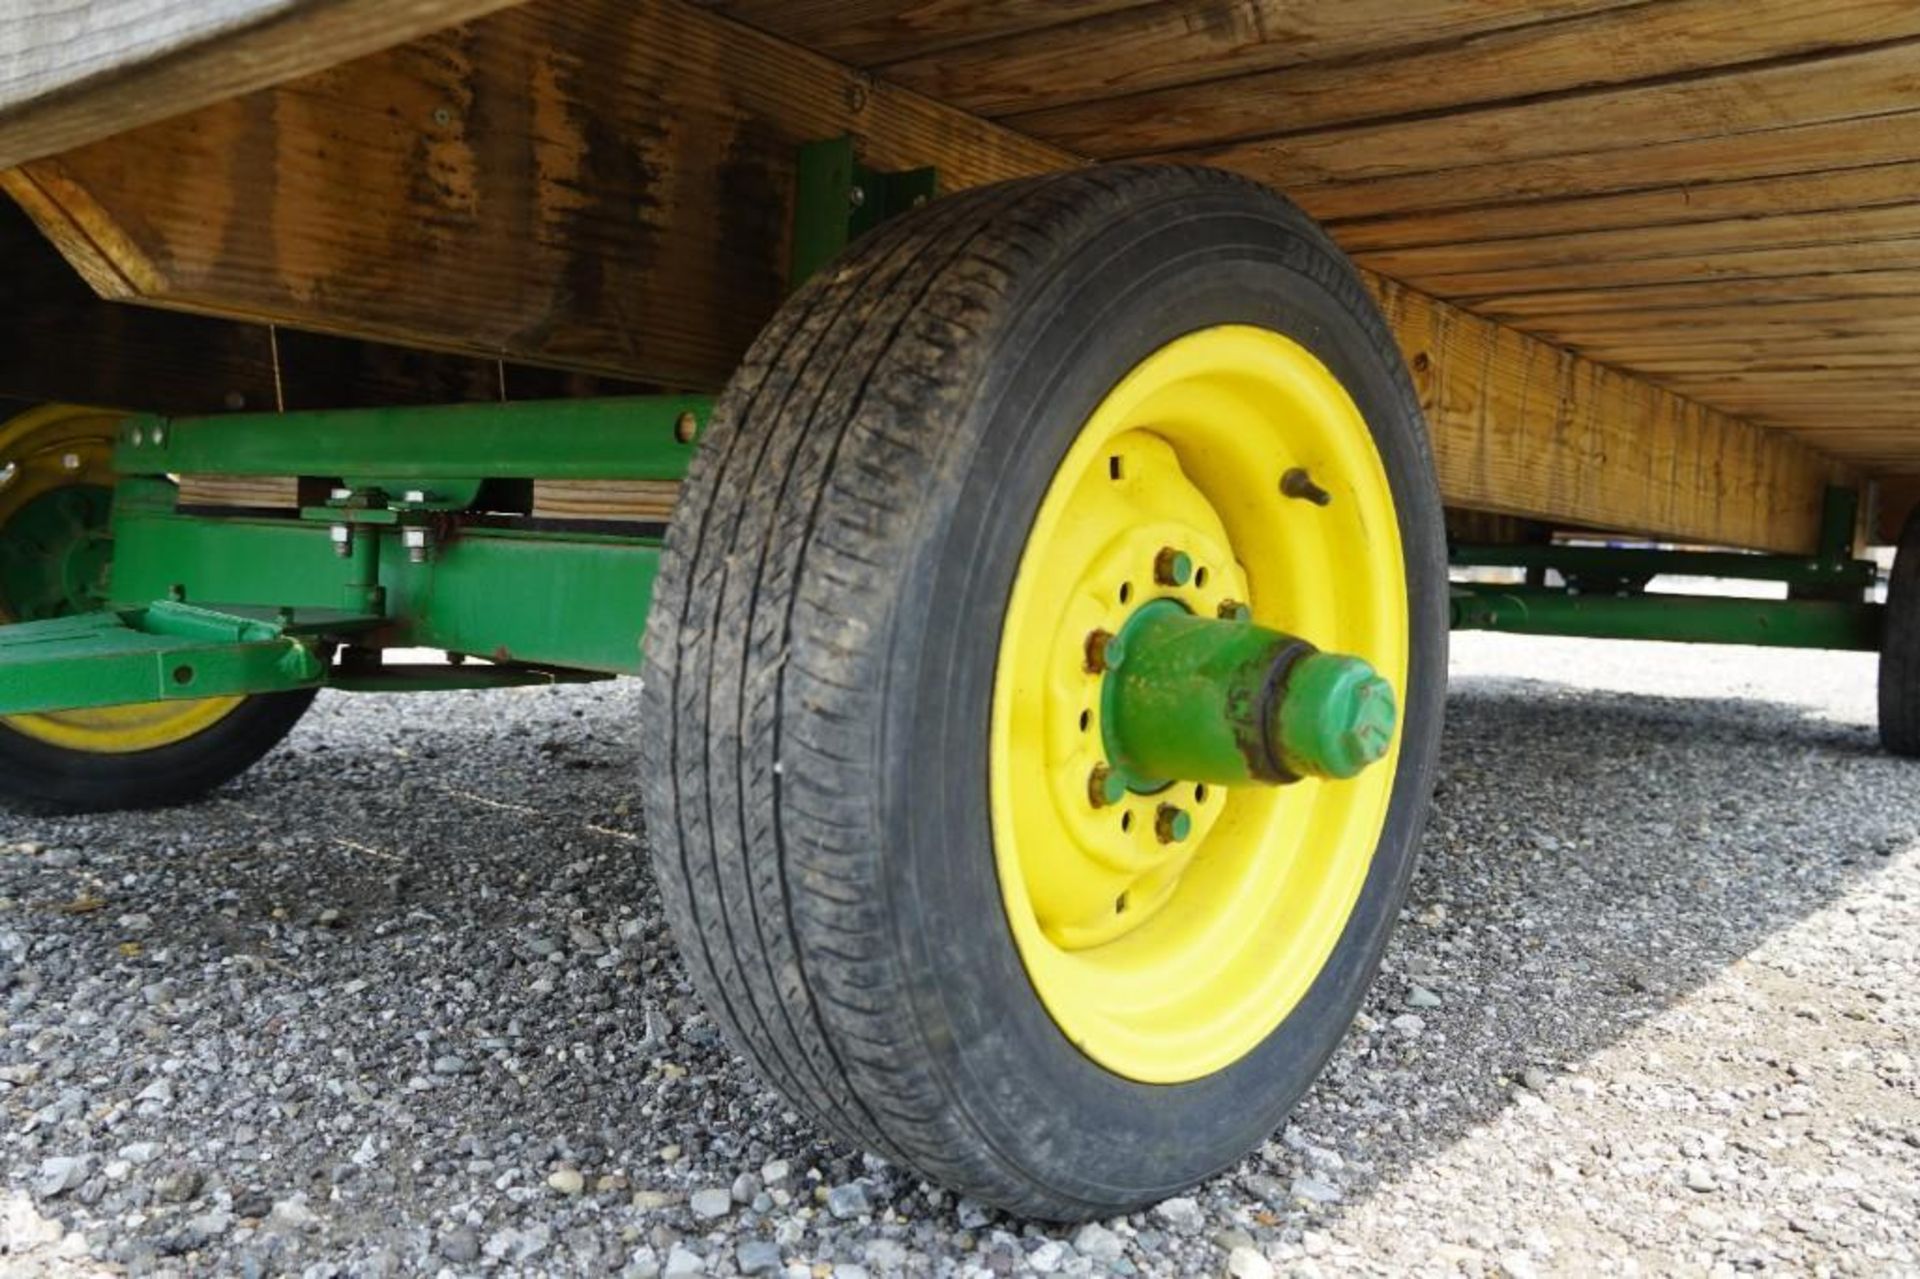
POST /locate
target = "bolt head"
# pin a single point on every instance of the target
(1172, 824)
(1105, 787)
(1172, 567)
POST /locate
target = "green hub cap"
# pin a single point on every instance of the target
(1228, 702)
(54, 554)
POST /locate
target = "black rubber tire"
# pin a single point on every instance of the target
(40, 777)
(1900, 647)
(821, 651)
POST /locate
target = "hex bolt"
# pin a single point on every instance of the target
(857, 196)
(1172, 567)
(1296, 483)
(1105, 787)
(1171, 824)
(342, 537)
(416, 540)
(414, 497)
(1103, 652)
(1233, 611)
(340, 495)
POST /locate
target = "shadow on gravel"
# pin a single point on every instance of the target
(1592, 859)
(408, 965)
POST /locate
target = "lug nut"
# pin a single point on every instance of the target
(1172, 567)
(1104, 651)
(1105, 787)
(1171, 824)
(1233, 611)
(1296, 483)
(416, 541)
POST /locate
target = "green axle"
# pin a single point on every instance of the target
(1226, 702)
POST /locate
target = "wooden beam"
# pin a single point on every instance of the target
(607, 186)
(73, 73)
(61, 342)
(1525, 428)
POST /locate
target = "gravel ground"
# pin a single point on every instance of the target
(398, 1002)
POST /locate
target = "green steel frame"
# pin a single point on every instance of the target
(1603, 594)
(419, 535)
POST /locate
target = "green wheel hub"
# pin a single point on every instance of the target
(54, 554)
(1227, 702)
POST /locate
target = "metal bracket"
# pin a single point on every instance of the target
(837, 199)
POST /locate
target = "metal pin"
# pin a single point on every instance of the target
(1296, 483)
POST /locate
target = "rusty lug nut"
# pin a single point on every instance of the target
(1105, 787)
(1233, 611)
(1172, 567)
(1172, 824)
(1103, 652)
(1296, 483)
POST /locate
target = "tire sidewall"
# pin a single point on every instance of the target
(1151, 274)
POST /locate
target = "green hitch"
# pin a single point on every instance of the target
(1227, 702)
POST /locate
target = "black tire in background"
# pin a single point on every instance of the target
(1900, 647)
(821, 656)
(39, 776)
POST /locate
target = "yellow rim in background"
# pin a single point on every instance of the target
(60, 446)
(1169, 962)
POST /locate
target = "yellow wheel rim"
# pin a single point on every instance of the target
(43, 451)
(1167, 962)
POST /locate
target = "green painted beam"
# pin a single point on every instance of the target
(1687, 619)
(164, 652)
(1606, 561)
(633, 437)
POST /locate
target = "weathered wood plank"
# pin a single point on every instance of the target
(249, 491)
(1722, 107)
(1526, 428)
(866, 32)
(1687, 201)
(73, 73)
(1150, 46)
(650, 501)
(1611, 47)
(499, 189)
(59, 341)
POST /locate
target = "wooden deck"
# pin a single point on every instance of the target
(1705, 210)
(1723, 195)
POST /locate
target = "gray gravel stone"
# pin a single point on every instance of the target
(1702, 965)
(849, 1200)
(710, 1203)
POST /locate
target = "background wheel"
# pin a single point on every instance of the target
(916, 867)
(1900, 647)
(56, 490)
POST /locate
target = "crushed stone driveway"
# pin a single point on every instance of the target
(400, 1001)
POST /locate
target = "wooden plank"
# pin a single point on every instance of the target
(648, 501)
(1651, 299)
(1640, 244)
(1830, 190)
(74, 73)
(343, 201)
(258, 492)
(1610, 47)
(1151, 46)
(496, 189)
(866, 32)
(1721, 107)
(61, 342)
(1758, 264)
(1494, 179)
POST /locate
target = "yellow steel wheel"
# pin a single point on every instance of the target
(1168, 959)
(66, 450)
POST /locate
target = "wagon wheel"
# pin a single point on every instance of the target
(56, 493)
(1047, 670)
(1900, 647)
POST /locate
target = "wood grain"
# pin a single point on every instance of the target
(260, 492)
(1582, 53)
(73, 73)
(648, 501)
(1526, 428)
(1150, 46)
(495, 189)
